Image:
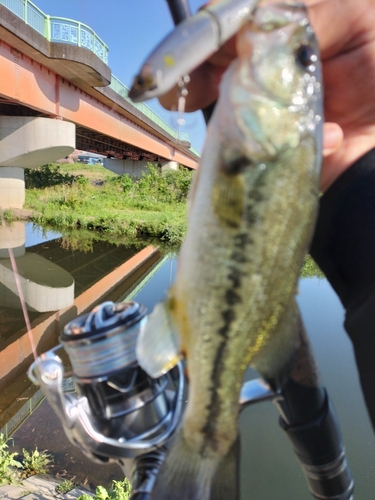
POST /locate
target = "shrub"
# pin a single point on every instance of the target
(66, 486)
(7, 463)
(36, 462)
(120, 490)
(47, 176)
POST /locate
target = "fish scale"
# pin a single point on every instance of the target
(251, 215)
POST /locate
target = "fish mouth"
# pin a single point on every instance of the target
(144, 85)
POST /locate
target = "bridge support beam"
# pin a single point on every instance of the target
(29, 142)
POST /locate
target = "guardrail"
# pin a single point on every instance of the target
(63, 30)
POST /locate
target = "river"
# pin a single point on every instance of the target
(268, 466)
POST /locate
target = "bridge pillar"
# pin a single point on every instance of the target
(14, 237)
(169, 165)
(134, 168)
(29, 142)
(45, 285)
(12, 187)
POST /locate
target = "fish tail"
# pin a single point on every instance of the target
(188, 475)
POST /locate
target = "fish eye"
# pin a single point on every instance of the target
(142, 82)
(306, 57)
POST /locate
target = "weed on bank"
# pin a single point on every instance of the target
(153, 206)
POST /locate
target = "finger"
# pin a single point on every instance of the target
(333, 137)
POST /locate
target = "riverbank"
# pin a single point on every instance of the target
(65, 197)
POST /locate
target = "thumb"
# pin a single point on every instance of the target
(333, 137)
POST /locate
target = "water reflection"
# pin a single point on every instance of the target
(58, 283)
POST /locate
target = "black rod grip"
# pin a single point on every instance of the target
(319, 448)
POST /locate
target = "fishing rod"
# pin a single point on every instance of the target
(180, 10)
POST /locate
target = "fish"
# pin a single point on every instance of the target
(251, 215)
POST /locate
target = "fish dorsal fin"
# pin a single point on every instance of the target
(158, 345)
(228, 198)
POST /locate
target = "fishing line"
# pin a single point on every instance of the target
(23, 302)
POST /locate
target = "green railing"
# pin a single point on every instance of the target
(121, 89)
(58, 29)
(62, 30)
(69, 31)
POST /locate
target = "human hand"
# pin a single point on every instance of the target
(346, 35)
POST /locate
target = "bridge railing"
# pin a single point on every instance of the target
(121, 89)
(69, 31)
(60, 29)
(29, 13)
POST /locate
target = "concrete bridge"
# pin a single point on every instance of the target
(57, 93)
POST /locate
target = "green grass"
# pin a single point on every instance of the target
(152, 207)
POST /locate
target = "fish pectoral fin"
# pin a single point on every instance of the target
(228, 198)
(158, 345)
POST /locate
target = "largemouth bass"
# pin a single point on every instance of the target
(251, 216)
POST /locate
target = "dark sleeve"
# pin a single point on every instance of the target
(344, 248)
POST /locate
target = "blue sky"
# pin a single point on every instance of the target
(131, 29)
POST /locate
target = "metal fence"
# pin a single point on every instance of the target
(62, 30)
(23, 413)
(29, 407)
